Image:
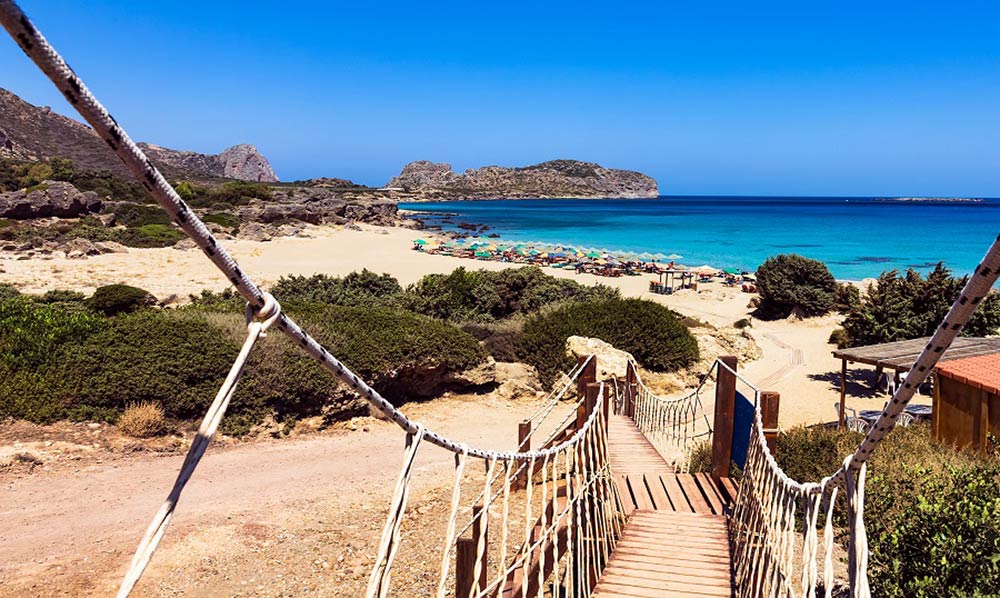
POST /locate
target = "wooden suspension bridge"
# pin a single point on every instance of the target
(675, 539)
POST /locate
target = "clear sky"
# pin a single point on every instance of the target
(811, 98)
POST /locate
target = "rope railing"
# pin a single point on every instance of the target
(567, 520)
(672, 425)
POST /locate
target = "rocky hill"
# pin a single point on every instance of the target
(31, 132)
(553, 179)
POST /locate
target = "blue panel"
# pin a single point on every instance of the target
(742, 422)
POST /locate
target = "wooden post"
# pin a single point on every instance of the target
(587, 376)
(465, 557)
(630, 389)
(592, 392)
(465, 562)
(725, 409)
(936, 406)
(769, 402)
(843, 391)
(523, 445)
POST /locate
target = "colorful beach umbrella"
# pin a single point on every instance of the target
(420, 242)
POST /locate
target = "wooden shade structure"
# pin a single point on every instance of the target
(900, 355)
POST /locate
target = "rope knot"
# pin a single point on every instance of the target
(265, 314)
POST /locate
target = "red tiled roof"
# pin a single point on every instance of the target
(982, 371)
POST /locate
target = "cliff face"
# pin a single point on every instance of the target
(553, 179)
(30, 132)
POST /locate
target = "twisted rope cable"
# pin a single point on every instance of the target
(38, 49)
(258, 321)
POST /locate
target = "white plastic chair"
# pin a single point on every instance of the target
(856, 424)
(905, 419)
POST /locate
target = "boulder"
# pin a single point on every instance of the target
(52, 198)
(80, 248)
(110, 247)
(611, 362)
(253, 231)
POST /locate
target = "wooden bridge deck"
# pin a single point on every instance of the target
(676, 541)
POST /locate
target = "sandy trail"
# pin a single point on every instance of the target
(78, 529)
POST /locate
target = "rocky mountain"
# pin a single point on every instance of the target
(31, 132)
(553, 179)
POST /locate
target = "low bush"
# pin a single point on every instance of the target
(8, 291)
(135, 215)
(932, 513)
(114, 299)
(149, 235)
(143, 420)
(790, 282)
(355, 289)
(840, 338)
(653, 334)
(743, 323)
(222, 219)
(485, 296)
(61, 296)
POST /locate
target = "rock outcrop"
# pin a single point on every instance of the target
(321, 205)
(51, 198)
(553, 179)
(29, 132)
(611, 362)
(241, 162)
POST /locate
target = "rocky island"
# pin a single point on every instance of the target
(429, 181)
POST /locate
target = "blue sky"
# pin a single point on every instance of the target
(811, 98)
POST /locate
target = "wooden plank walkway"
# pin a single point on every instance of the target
(664, 553)
(675, 542)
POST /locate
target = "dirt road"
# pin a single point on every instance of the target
(285, 517)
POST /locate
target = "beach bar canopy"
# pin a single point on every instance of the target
(900, 355)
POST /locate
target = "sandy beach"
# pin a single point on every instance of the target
(796, 359)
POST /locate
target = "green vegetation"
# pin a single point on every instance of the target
(114, 299)
(363, 288)
(653, 334)
(932, 513)
(18, 174)
(231, 193)
(143, 420)
(791, 283)
(222, 219)
(899, 307)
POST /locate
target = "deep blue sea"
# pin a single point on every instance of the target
(856, 237)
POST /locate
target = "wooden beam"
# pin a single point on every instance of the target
(523, 445)
(587, 376)
(843, 392)
(725, 409)
(936, 406)
(769, 402)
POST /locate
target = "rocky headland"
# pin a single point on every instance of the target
(429, 181)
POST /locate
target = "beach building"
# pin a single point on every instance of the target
(967, 401)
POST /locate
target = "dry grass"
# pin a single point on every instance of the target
(143, 420)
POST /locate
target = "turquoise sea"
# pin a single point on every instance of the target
(856, 237)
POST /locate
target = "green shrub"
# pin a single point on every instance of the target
(114, 299)
(173, 358)
(135, 215)
(150, 235)
(390, 347)
(790, 282)
(502, 339)
(846, 297)
(840, 338)
(485, 296)
(61, 296)
(30, 332)
(948, 541)
(355, 289)
(8, 291)
(899, 307)
(222, 219)
(649, 331)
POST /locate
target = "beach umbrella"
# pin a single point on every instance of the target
(534, 252)
(674, 256)
(731, 270)
(645, 256)
(705, 269)
(558, 254)
(593, 254)
(483, 254)
(420, 242)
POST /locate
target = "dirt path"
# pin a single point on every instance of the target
(282, 507)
